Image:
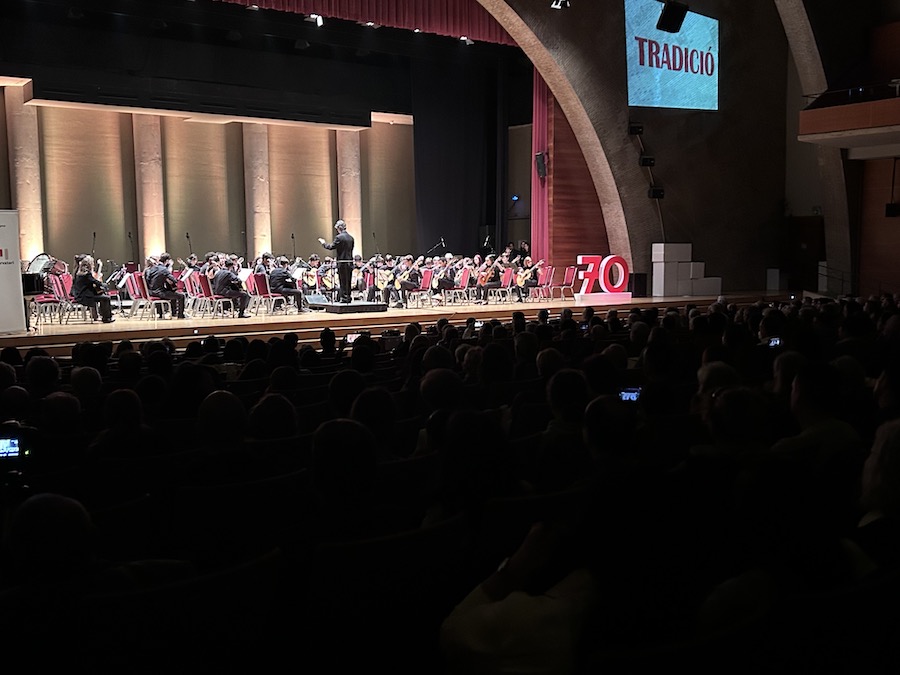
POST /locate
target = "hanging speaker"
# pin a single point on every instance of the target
(540, 164)
(672, 16)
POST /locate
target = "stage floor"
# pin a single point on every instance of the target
(58, 339)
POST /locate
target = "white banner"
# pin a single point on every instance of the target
(12, 304)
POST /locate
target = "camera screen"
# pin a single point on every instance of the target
(630, 394)
(352, 337)
(479, 324)
(9, 447)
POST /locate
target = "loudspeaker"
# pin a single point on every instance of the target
(637, 284)
(540, 164)
(656, 192)
(672, 16)
(892, 210)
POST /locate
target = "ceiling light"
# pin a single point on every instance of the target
(316, 19)
(370, 24)
(465, 39)
(560, 4)
(417, 30)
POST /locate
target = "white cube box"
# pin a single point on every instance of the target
(708, 286)
(685, 287)
(698, 270)
(670, 253)
(684, 271)
(665, 278)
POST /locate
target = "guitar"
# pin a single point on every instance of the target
(523, 276)
(383, 278)
(435, 280)
(404, 276)
(486, 276)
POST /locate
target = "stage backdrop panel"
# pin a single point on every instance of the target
(12, 308)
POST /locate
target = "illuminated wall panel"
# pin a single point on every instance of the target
(389, 196)
(204, 183)
(88, 182)
(5, 194)
(303, 188)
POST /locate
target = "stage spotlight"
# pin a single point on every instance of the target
(463, 38)
(316, 19)
(560, 4)
(515, 198)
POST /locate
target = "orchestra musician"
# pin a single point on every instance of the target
(228, 284)
(343, 250)
(211, 259)
(407, 277)
(192, 263)
(90, 291)
(281, 281)
(263, 264)
(443, 279)
(161, 283)
(527, 278)
(488, 278)
(310, 276)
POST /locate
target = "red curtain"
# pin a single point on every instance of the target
(454, 18)
(540, 204)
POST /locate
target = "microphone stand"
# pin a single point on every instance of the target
(93, 245)
(187, 235)
(435, 247)
(293, 247)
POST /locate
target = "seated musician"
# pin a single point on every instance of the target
(488, 278)
(161, 283)
(443, 279)
(408, 278)
(211, 261)
(281, 281)
(264, 264)
(527, 278)
(382, 280)
(310, 276)
(193, 263)
(357, 282)
(90, 291)
(228, 284)
(327, 274)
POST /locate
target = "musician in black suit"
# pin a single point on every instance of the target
(343, 250)
(161, 283)
(89, 291)
(228, 284)
(408, 277)
(281, 281)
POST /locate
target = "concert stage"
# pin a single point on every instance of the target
(355, 307)
(58, 339)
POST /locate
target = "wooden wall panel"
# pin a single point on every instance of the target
(88, 182)
(879, 244)
(203, 176)
(303, 185)
(576, 218)
(388, 190)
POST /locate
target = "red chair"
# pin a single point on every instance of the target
(545, 280)
(506, 280)
(150, 301)
(424, 288)
(210, 302)
(461, 289)
(63, 293)
(262, 294)
(568, 283)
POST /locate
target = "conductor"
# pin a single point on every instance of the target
(343, 248)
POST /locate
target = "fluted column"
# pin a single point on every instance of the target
(350, 184)
(256, 188)
(150, 192)
(25, 170)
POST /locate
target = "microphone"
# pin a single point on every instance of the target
(292, 235)
(486, 240)
(187, 235)
(129, 234)
(95, 234)
(442, 243)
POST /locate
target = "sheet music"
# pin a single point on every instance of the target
(244, 274)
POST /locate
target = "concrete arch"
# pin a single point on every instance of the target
(553, 65)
